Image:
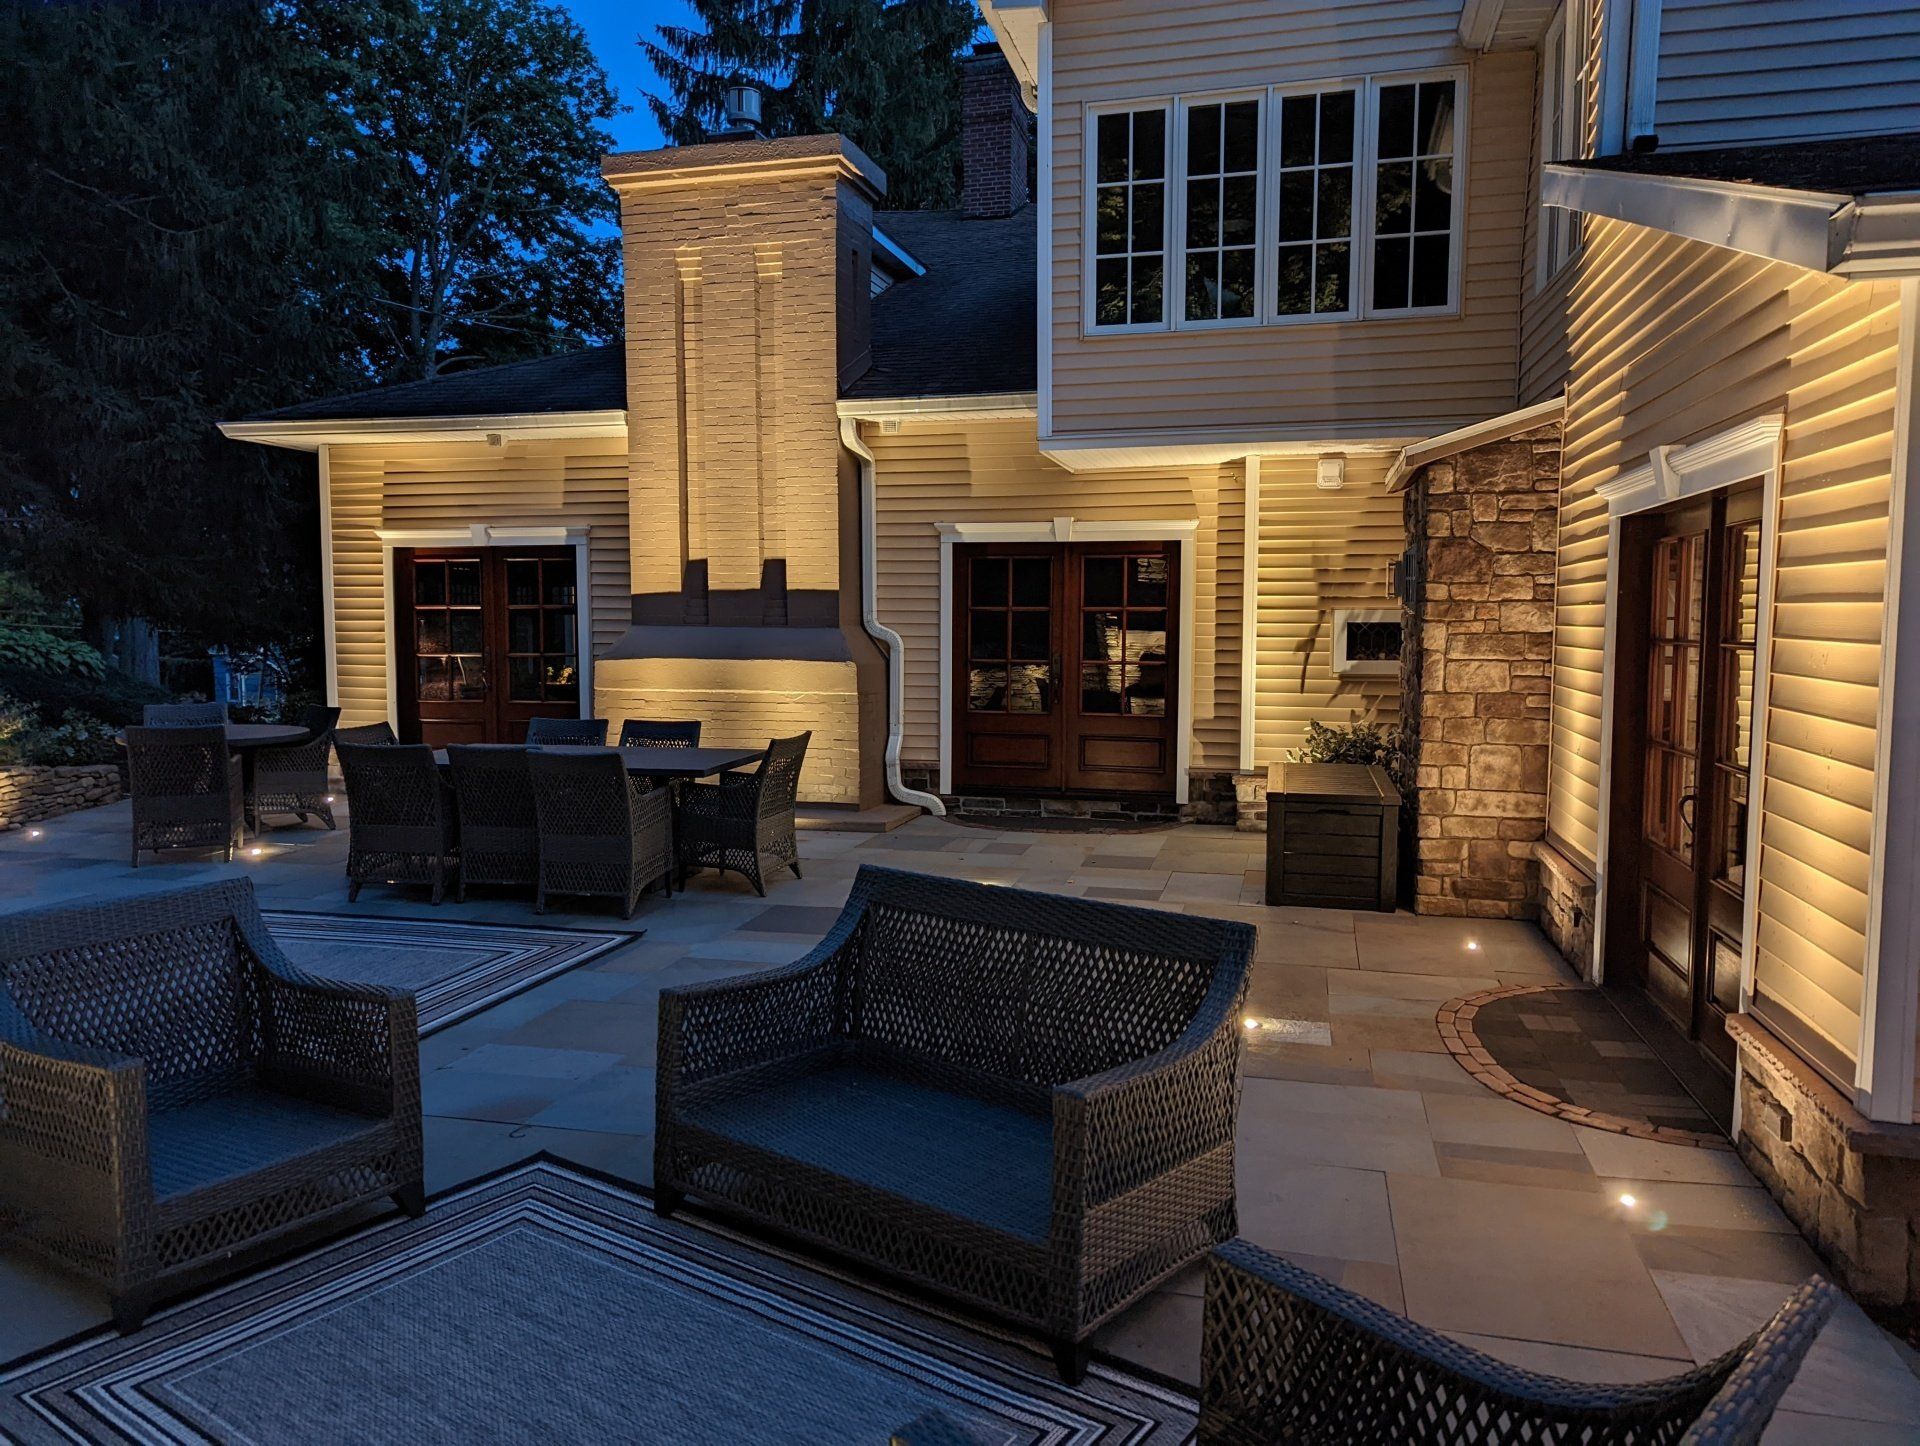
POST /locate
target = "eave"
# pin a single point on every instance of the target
(1479, 434)
(1214, 446)
(309, 435)
(1016, 25)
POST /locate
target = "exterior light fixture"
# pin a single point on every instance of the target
(35, 832)
(1628, 1201)
(1473, 945)
(256, 852)
(1250, 1022)
(1331, 474)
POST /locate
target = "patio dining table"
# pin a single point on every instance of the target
(670, 763)
(245, 738)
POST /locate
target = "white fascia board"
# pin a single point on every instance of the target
(1204, 447)
(1478, 21)
(1801, 228)
(1493, 429)
(310, 435)
(1882, 236)
(1016, 24)
(986, 405)
(897, 253)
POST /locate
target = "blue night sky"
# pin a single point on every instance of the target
(614, 26)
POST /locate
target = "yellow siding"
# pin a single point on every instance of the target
(1673, 340)
(1369, 376)
(416, 486)
(1319, 551)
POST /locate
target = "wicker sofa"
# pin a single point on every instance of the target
(1288, 1356)
(1023, 1101)
(175, 1090)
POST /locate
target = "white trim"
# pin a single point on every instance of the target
(328, 627)
(1355, 86)
(983, 405)
(1345, 667)
(1771, 221)
(1883, 1076)
(1021, 28)
(1642, 67)
(1882, 236)
(305, 436)
(1478, 434)
(1366, 239)
(1249, 612)
(1091, 114)
(1263, 233)
(1739, 454)
(1207, 446)
(895, 646)
(487, 534)
(1479, 19)
(1186, 532)
(899, 254)
(1043, 220)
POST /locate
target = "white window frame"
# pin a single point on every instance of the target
(1090, 186)
(1558, 234)
(1346, 667)
(1264, 181)
(1366, 90)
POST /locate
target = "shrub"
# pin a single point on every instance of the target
(36, 650)
(1357, 743)
(115, 697)
(77, 738)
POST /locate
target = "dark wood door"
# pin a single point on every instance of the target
(1702, 612)
(1065, 668)
(486, 639)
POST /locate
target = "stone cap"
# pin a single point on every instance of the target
(1762, 1050)
(745, 161)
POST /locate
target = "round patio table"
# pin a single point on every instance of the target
(244, 738)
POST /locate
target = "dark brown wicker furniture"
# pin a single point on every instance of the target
(400, 817)
(1333, 836)
(294, 779)
(601, 833)
(1288, 1356)
(183, 715)
(499, 834)
(745, 821)
(1021, 1100)
(577, 731)
(187, 789)
(176, 1090)
(369, 735)
(652, 733)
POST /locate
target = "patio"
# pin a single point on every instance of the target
(1365, 1152)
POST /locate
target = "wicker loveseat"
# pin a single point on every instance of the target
(1020, 1100)
(172, 1089)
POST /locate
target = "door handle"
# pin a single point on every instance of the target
(1686, 810)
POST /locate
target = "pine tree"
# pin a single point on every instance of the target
(883, 73)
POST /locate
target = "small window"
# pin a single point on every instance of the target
(1129, 220)
(1562, 121)
(1367, 642)
(1413, 208)
(1313, 272)
(1222, 211)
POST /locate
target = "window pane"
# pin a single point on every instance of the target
(1027, 688)
(1031, 634)
(1147, 690)
(1203, 213)
(1297, 130)
(430, 582)
(523, 679)
(469, 676)
(433, 680)
(1392, 198)
(1335, 215)
(1147, 582)
(562, 682)
(1239, 204)
(523, 632)
(1203, 140)
(989, 581)
(523, 582)
(1148, 229)
(1032, 582)
(430, 632)
(1396, 121)
(559, 580)
(1336, 126)
(1149, 145)
(1240, 147)
(1100, 687)
(1100, 635)
(1296, 206)
(560, 630)
(1293, 285)
(1102, 580)
(464, 633)
(1236, 283)
(1110, 221)
(1390, 262)
(463, 584)
(987, 634)
(1112, 147)
(1433, 195)
(1110, 292)
(1332, 264)
(987, 690)
(1430, 270)
(1435, 130)
(1203, 285)
(1146, 289)
(1145, 645)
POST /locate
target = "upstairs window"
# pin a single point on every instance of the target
(1562, 120)
(1222, 211)
(1313, 270)
(1130, 230)
(1413, 205)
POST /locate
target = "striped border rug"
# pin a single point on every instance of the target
(453, 969)
(548, 1304)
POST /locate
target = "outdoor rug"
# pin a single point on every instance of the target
(453, 969)
(545, 1304)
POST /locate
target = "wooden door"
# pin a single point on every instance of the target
(1064, 675)
(486, 639)
(1702, 610)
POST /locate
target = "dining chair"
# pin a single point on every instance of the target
(400, 817)
(652, 733)
(601, 832)
(293, 779)
(590, 732)
(745, 822)
(493, 797)
(186, 787)
(367, 735)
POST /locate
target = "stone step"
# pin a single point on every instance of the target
(884, 819)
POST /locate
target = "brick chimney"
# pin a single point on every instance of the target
(993, 137)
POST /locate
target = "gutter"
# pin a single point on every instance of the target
(896, 648)
(496, 429)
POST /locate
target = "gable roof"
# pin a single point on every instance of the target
(593, 379)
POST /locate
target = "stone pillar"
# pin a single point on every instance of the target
(1482, 533)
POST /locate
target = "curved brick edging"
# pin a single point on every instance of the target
(1455, 1022)
(32, 792)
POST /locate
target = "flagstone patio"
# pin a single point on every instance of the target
(1366, 1152)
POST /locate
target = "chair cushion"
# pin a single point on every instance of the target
(979, 1161)
(235, 1134)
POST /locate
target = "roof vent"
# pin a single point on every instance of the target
(740, 104)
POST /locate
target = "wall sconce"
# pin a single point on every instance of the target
(1331, 475)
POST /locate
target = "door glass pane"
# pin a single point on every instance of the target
(1027, 688)
(523, 583)
(562, 679)
(1103, 581)
(1733, 830)
(559, 584)
(987, 634)
(463, 633)
(523, 679)
(1031, 634)
(1147, 690)
(560, 631)
(1147, 586)
(430, 632)
(1743, 616)
(1100, 635)
(1101, 687)
(469, 676)
(523, 631)
(1145, 644)
(1032, 582)
(463, 584)
(432, 680)
(430, 582)
(989, 582)
(987, 689)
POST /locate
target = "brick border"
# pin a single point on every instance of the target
(1455, 1022)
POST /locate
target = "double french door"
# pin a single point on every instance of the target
(487, 638)
(1065, 667)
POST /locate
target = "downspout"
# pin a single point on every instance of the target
(889, 640)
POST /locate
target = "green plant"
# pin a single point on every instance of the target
(1371, 743)
(116, 697)
(28, 648)
(77, 738)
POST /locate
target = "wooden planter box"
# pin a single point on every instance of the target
(1333, 836)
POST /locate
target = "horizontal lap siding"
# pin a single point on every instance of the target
(1319, 550)
(992, 471)
(1672, 341)
(1738, 72)
(416, 486)
(1412, 375)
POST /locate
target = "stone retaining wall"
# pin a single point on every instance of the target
(29, 793)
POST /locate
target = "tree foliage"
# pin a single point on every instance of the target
(881, 72)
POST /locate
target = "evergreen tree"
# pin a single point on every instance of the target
(884, 73)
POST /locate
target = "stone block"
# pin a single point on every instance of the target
(1472, 676)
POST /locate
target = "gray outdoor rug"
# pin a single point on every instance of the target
(453, 969)
(544, 1304)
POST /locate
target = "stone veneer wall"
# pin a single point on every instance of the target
(1475, 682)
(1566, 896)
(29, 793)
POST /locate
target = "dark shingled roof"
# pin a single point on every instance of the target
(592, 380)
(1847, 166)
(967, 326)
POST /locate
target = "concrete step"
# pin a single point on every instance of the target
(884, 819)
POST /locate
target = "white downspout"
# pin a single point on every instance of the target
(870, 615)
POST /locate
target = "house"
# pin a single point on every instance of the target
(1537, 375)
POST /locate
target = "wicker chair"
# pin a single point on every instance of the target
(745, 821)
(646, 733)
(367, 735)
(499, 836)
(187, 790)
(601, 833)
(400, 817)
(184, 715)
(177, 1090)
(588, 732)
(294, 779)
(1288, 1356)
(1020, 1100)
